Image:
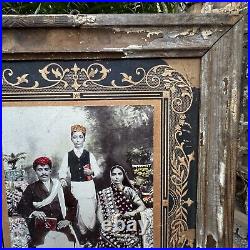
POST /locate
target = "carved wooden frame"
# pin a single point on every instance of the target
(215, 39)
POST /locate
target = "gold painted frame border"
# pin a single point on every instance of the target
(176, 101)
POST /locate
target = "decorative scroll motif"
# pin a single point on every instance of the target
(158, 78)
(54, 74)
(181, 97)
(179, 173)
(74, 77)
(180, 90)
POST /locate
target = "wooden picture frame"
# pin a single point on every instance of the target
(187, 67)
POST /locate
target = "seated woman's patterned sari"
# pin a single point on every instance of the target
(116, 230)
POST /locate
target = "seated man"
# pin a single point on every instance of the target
(48, 208)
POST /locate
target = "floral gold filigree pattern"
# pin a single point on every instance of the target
(179, 88)
(179, 173)
(160, 76)
(128, 79)
(74, 77)
(20, 79)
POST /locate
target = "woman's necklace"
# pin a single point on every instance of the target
(119, 187)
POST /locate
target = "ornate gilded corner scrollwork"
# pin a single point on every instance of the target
(158, 78)
(179, 88)
(179, 92)
(180, 102)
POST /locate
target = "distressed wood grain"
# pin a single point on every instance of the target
(219, 118)
(116, 36)
(130, 42)
(28, 21)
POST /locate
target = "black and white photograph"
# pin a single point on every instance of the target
(79, 176)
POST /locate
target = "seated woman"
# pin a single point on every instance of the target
(119, 208)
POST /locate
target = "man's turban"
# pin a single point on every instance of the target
(42, 161)
(78, 128)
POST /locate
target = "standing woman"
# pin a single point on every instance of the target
(119, 208)
(81, 166)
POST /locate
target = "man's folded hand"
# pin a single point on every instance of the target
(39, 215)
(63, 223)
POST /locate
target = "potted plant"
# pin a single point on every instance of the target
(14, 171)
(140, 160)
(14, 180)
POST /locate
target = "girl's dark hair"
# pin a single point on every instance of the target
(126, 181)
